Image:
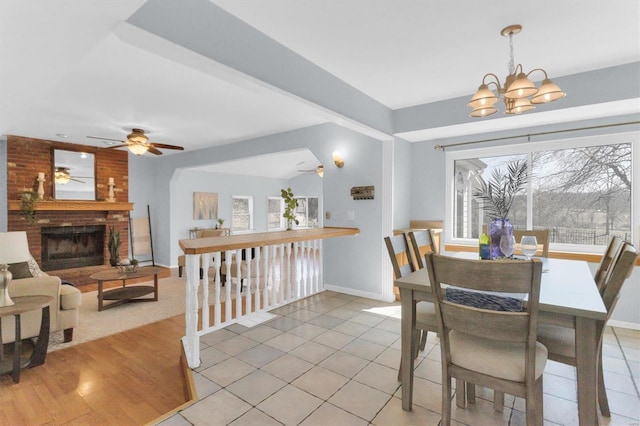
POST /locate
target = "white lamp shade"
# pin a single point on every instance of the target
(14, 247)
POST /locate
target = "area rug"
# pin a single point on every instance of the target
(95, 324)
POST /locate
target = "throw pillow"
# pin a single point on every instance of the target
(20, 270)
(34, 268)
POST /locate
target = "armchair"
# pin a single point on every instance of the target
(27, 280)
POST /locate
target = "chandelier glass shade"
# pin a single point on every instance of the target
(519, 93)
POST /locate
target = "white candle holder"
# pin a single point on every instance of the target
(40, 186)
(112, 198)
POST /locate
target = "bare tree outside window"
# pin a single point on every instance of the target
(581, 194)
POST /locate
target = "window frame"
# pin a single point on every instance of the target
(527, 149)
(282, 220)
(242, 197)
(307, 198)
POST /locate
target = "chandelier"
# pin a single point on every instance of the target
(519, 93)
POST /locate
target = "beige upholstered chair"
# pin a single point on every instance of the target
(201, 233)
(425, 311)
(492, 348)
(29, 280)
(561, 341)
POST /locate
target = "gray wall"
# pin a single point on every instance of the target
(352, 264)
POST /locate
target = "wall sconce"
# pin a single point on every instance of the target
(338, 160)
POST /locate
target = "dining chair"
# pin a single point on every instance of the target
(561, 341)
(398, 246)
(487, 347)
(610, 255)
(421, 243)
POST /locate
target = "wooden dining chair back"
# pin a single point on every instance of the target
(397, 246)
(487, 347)
(398, 249)
(542, 237)
(421, 243)
(560, 341)
(608, 259)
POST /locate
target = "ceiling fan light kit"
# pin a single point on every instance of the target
(138, 143)
(519, 93)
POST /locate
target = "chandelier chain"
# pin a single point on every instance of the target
(511, 62)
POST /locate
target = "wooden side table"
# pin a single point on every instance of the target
(126, 294)
(25, 304)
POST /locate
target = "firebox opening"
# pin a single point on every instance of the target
(66, 247)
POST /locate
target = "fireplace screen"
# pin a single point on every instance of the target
(66, 247)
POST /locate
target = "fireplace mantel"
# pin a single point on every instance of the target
(74, 205)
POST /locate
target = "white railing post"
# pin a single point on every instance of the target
(227, 300)
(191, 341)
(216, 304)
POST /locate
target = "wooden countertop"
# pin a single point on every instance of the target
(233, 242)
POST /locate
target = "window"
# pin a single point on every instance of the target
(579, 189)
(307, 212)
(242, 216)
(275, 208)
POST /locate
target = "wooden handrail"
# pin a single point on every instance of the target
(234, 242)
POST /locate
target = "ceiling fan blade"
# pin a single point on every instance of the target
(165, 146)
(152, 149)
(76, 180)
(105, 139)
(116, 146)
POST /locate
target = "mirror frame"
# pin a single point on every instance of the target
(55, 165)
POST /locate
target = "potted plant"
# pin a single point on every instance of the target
(114, 246)
(497, 196)
(220, 223)
(28, 202)
(290, 204)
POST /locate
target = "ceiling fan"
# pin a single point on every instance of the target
(319, 170)
(62, 176)
(138, 143)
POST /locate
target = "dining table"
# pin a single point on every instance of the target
(568, 297)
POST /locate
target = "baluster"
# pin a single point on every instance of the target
(192, 340)
(280, 274)
(217, 308)
(268, 254)
(319, 282)
(239, 283)
(227, 300)
(205, 290)
(258, 276)
(303, 269)
(247, 288)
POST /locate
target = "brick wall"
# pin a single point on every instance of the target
(26, 157)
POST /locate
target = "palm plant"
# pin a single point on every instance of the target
(498, 194)
(114, 246)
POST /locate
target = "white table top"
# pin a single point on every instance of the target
(567, 287)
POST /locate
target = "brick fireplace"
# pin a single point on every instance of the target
(26, 157)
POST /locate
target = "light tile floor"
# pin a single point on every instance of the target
(332, 359)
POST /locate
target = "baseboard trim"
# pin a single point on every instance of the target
(624, 324)
(352, 292)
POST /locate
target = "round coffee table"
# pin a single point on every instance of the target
(132, 293)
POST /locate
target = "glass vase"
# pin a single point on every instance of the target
(497, 229)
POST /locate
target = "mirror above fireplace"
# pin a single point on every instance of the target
(74, 175)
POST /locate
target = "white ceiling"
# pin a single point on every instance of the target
(66, 70)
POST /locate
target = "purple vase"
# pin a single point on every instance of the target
(497, 229)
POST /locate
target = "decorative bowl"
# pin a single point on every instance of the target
(126, 269)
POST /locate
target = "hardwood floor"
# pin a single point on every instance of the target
(129, 378)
